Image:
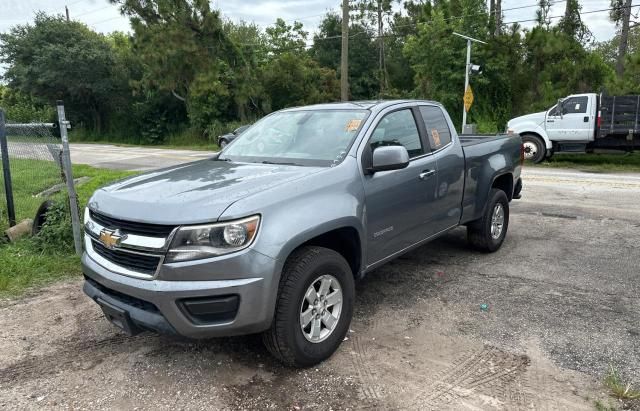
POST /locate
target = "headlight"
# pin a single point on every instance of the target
(211, 240)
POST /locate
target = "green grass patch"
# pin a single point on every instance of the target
(42, 259)
(619, 388)
(623, 162)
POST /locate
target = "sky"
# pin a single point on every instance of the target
(101, 16)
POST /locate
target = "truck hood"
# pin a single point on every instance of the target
(191, 193)
(537, 118)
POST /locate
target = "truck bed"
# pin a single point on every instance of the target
(472, 139)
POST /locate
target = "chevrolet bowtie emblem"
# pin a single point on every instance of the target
(111, 239)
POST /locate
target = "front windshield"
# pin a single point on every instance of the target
(305, 137)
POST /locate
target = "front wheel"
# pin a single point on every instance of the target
(488, 232)
(223, 144)
(534, 148)
(314, 307)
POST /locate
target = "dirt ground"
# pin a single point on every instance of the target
(563, 306)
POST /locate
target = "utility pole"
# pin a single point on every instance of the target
(467, 71)
(66, 9)
(344, 55)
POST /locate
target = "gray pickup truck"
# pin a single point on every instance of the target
(269, 235)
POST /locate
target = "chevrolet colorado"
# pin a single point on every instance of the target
(269, 235)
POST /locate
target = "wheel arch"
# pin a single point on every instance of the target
(541, 135)
(345, 239)
(505, 183)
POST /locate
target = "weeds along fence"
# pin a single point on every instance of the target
(36, 175)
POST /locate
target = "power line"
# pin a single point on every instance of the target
(104, 21)
(470, 15)
(93, 11)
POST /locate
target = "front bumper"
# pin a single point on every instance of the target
(247, 281)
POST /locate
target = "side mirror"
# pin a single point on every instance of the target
(389, 158)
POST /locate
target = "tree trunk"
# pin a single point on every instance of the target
(492, 14)
(624, 38)
(97, 119)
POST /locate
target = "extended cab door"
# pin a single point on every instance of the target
(398, 203)
(446, 149)
(575, 123)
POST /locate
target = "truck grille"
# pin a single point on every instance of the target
(136, 262)
(132, 227)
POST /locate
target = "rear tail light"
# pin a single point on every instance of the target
(599, 120)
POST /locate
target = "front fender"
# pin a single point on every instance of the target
(294, 213)
(530, 127)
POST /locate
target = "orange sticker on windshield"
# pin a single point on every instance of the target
(436, 137)
(353, 125)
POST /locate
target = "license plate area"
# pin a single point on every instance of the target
(118, 317)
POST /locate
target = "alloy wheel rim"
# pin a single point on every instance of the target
(497, 221)
(321, 308)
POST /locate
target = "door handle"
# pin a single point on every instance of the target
(550, 121)
(586, 119)
(426, 174)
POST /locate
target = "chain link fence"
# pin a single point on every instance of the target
(36, 173)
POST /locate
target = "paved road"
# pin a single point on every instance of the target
(563, 307)
(131, 158)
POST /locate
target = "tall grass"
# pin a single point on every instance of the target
(37, 261)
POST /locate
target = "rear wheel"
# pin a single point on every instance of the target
(534, 148)
(314, 307)
(223, 144)
(487, 233)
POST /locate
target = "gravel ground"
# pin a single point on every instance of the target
(563, 306)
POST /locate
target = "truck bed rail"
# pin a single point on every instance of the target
(618, 115)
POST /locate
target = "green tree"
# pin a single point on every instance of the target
(376, 12)
(572, 25)
(290, 76)
(186, 52)
(362, 51)
(22, 108)
(55, 59)
(438, 57)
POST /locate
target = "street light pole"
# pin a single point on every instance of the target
(467, 70)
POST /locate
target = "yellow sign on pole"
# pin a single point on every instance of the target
(468, 99)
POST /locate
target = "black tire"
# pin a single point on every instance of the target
(479, 232)
(285, 339)
(534, 148)
(223, 144)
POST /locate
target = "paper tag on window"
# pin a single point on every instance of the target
(353, 125)
(436, 137)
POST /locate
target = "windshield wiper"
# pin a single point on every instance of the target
(279, 163)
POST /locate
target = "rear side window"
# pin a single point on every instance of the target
(398, 129)
(436, 125)
(575, 105)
